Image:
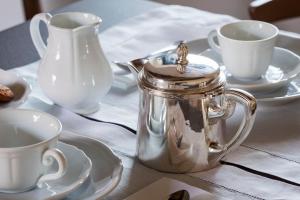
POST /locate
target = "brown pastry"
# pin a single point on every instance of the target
(6, 94)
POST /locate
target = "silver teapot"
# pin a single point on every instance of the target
(184, 105)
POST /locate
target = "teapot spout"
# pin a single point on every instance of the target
(134, 66)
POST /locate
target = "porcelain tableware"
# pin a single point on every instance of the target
(266, 92)
(106, 171)
(284, 67)
(18, 85)
(73, 71)
(283, 95)
(183, 108)
(246, 47)
(28, 148)
(77, 172)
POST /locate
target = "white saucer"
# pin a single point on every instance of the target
(283, 95)
(79, 168)
(284, 67)
(106, 172)
(18, 85)
(279, 85)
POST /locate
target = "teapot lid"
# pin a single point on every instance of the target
(181, 71)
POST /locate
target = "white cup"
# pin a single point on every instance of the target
(27, 148)
(246, 47)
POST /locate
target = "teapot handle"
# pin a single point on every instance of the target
(35, 31)
(249, 106)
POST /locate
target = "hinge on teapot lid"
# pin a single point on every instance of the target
(182, 52)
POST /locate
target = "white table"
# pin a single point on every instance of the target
(136, 176)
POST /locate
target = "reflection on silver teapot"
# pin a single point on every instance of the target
(183, 109)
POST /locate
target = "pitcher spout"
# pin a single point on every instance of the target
(88, 26)
(87, 21)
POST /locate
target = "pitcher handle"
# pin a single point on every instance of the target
(249, 106)
(35, 31)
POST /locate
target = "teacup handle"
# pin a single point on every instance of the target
(249, 106)
(35, 31)
(211, 38)
(47, 161)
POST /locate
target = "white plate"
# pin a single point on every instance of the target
(18, 85)
(79, 168)
(284, 90)
(106, 172)
(284, 95)
(285, 66)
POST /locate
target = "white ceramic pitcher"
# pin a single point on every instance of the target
(73, 71)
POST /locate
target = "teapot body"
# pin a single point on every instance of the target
(184, 105)
(73, 71)
(179, 133)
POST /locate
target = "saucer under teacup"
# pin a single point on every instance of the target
(282, 95)
(285, 66)
(78, 170)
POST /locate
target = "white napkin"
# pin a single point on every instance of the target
(251, 185)
(143, 34)
(161, 189)
(227, 177)
(156, 29)
(146, 33)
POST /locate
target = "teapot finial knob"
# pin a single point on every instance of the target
(182, 52)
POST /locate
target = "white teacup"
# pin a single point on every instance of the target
(27, 148)
(246, 47)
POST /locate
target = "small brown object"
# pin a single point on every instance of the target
(6, 94)
(274, 10)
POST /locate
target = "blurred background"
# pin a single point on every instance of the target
(14, 12)
(283, 13)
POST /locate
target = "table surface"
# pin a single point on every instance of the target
(16, 45)
(17, 50)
